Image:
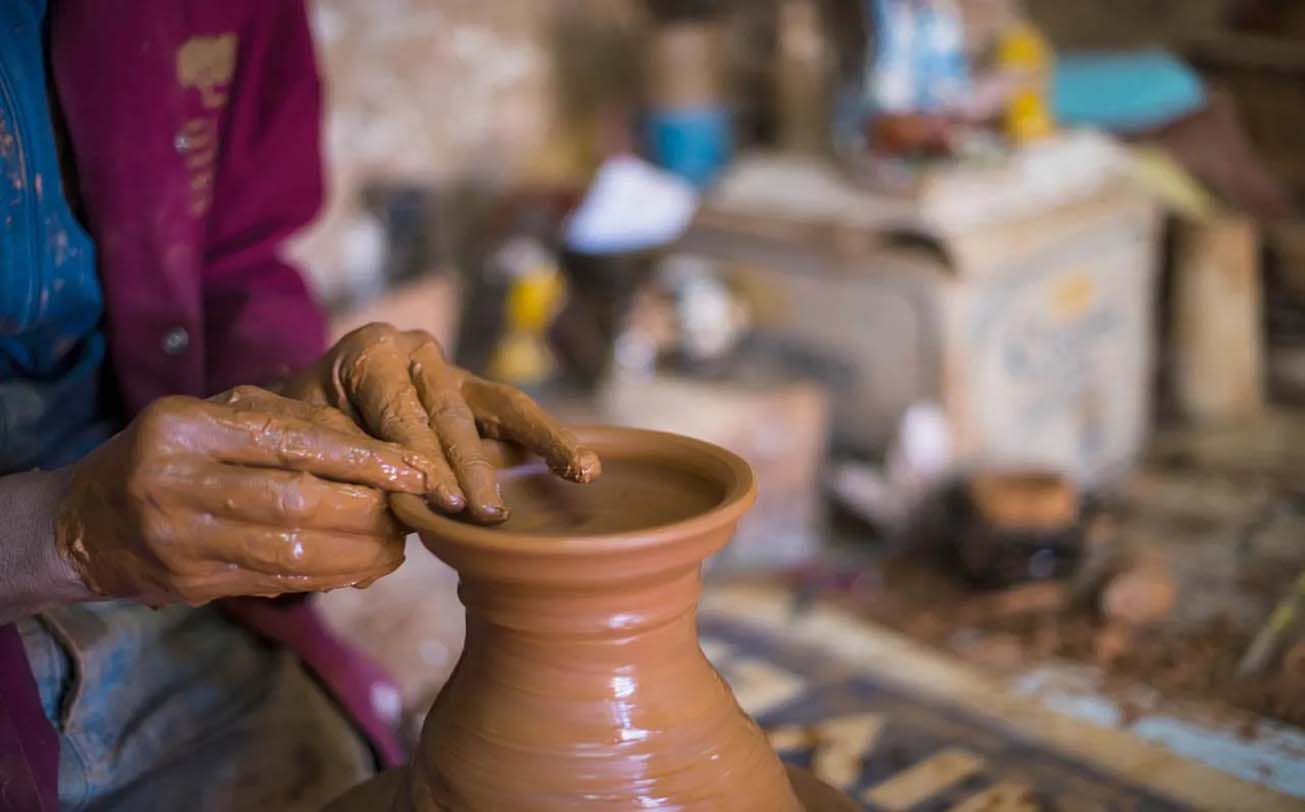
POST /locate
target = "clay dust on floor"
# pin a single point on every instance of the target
(1189, 559)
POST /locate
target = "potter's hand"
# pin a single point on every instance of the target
(247, 493)
(399, 387)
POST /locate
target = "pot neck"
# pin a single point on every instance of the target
(593, 613)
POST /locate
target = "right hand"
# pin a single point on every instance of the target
(247, 493)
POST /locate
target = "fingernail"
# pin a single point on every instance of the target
(588, 465)
(491, 512)
(450, 498)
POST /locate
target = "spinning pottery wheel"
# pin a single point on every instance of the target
(582, 685)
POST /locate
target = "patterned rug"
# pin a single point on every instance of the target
(901, 728)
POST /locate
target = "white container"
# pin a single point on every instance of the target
(1033, 332)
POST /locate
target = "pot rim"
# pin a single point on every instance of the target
(737, 481)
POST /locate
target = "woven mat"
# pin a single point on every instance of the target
(900, 727)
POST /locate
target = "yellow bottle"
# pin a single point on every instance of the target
(1024, 51)
(523, 357)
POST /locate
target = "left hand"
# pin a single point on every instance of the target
(399, 387)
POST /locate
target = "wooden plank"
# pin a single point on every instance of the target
(857, 732)
(842, 745)
(913, 667)
(924, 779)
(787, 738)
(1007, 796)
(760, 686)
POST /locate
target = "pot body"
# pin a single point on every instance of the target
(542, 718)
(582, 685)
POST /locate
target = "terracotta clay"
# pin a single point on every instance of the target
(582, 685)
(248, 493)
(253, 493)
(381, 793)
(399, 385)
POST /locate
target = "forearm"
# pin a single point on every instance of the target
(33, 576)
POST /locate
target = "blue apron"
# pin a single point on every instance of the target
(52, 403)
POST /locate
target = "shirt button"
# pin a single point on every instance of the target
(175, 341)
(181, 142)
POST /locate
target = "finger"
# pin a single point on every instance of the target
(314, 557)
(275, 498)
(257, 438)
(224, 581)
(455, 425)
(313, 385)
(254, 398)
(378, 381)
(505, 413)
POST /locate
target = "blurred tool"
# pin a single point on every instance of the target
(604, 288)
(1285, 618)
(687, 318)
(494, 228)
(1023, 52)
(535, 296)
(804, 78)
(1017, 525)
(1156, 171)
(917, 462)
(1217, 320)
(688, 123)
(710, 319)
(630, 211)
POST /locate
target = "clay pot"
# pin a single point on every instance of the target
(582, 685)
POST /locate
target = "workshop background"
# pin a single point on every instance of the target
(1004, 302)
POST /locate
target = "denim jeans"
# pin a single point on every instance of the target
(180, 708)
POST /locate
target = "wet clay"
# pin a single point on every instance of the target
(582, 685)
(247, 493)
(399, 385)
(257, 493)
(382, 792)
(632, 495)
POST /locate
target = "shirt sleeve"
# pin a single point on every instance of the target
(260, 320)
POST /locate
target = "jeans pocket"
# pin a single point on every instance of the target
(114, 698)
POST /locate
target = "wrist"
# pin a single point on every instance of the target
(34, 576)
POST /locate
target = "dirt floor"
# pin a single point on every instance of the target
(1012, 631)
(1184, 566)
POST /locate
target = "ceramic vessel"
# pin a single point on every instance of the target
(582, 685)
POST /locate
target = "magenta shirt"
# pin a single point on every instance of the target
(195, 130)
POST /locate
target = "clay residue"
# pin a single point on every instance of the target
(399, 387)
(631, 495)
(245, 494)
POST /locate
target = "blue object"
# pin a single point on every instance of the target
(51, 348)
(694, 143)
(1125, 92)
(919, 63)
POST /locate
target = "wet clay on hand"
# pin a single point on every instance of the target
(582, 686)
(247, 493)
(400, 388)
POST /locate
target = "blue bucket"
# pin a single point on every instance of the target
(694, 143)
